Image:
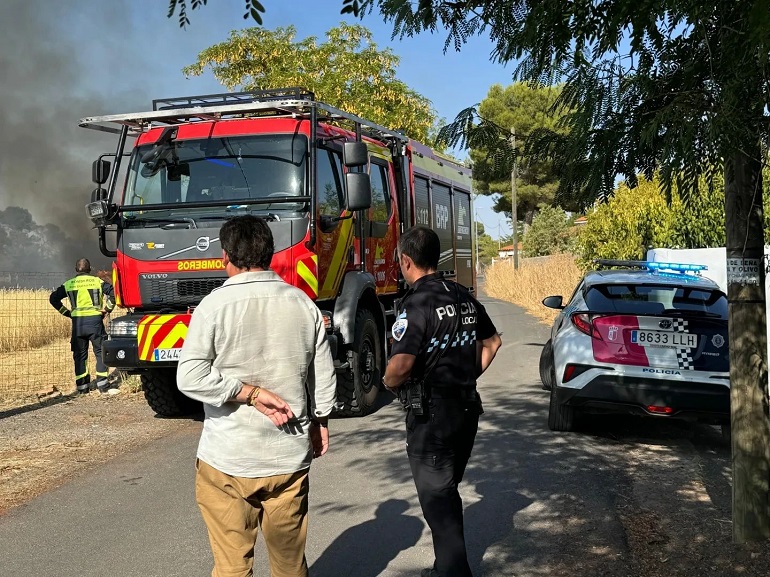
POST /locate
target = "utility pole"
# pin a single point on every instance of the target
(476, 230)
(514, 216)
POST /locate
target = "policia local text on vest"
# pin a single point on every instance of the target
(90, 299)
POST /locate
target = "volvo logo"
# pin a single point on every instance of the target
(157, 275)
(202, 244)
(665, 324)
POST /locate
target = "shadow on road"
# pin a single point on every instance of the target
(366, 549)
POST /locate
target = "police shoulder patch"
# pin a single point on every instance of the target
(399, 327)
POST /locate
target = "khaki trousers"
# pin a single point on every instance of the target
(235, 508)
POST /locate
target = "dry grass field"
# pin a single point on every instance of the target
(534, 280)
(35, 356)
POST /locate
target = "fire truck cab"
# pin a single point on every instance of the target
(336, 190)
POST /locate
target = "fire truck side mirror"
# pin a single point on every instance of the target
(100, 171)
(355, 154)
(98, 194)
(358, 189)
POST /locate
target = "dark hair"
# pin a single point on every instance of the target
(422, 245)
(248, 242)
(82, 266)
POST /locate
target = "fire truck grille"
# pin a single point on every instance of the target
(176, 291)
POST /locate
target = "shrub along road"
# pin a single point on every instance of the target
(620, 498)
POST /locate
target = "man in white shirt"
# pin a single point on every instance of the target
(256, 355)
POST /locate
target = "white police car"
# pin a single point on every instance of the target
(647, 339)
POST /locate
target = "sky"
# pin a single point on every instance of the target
(61, 61)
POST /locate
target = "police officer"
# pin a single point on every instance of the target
(90, 299)
(444, 339)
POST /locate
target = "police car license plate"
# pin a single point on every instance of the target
(664, 339)
(166, 354)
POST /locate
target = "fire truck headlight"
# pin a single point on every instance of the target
(122, 328)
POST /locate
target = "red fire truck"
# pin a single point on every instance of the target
(336, 190)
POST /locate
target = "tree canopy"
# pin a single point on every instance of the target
(348, 71)
(525, 108)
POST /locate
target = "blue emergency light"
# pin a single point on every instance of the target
(675, 266)
(659, 267)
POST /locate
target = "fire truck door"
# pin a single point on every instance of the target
(382, 219)
(335, 237)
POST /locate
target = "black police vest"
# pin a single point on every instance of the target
(450, 315)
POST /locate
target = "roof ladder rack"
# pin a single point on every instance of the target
(227, 98)
(283, 102)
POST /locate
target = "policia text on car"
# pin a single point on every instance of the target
(443, 339)
(90, 299)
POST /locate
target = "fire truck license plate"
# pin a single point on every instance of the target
(664, 339)
(166, 354)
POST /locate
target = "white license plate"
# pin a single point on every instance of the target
(664, 339)
(166, 354)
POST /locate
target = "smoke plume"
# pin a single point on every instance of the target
(56, 61)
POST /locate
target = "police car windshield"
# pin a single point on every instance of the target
(238, 168)
(650, 299)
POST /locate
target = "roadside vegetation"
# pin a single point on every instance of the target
(534, 280)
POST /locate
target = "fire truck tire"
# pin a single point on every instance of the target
(357, 389)
(162, 395)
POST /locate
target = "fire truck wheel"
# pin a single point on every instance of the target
(357, 389)
(162, 395)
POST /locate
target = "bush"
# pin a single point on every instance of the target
(624, 227)
(550, 233)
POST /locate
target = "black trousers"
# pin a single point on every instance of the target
(439, 445)
(87, 330)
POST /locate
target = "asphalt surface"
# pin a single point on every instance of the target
(528, 493)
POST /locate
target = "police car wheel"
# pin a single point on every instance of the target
(546, 366)
(560, 417)
(357, 389)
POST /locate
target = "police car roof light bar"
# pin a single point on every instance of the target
(675, 267)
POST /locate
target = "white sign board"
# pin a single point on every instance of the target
(744, 271)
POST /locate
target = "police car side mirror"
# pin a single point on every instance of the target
(554, 302)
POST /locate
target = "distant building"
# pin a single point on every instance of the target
(581, 220)
(507, 251)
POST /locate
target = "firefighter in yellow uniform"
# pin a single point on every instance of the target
(90, 299)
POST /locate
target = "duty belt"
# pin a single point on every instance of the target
(462, 393)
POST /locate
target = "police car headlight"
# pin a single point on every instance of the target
(122, 328)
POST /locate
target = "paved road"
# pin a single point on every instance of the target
(537, 503)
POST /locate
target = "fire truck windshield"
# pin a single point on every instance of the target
(238, 168)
